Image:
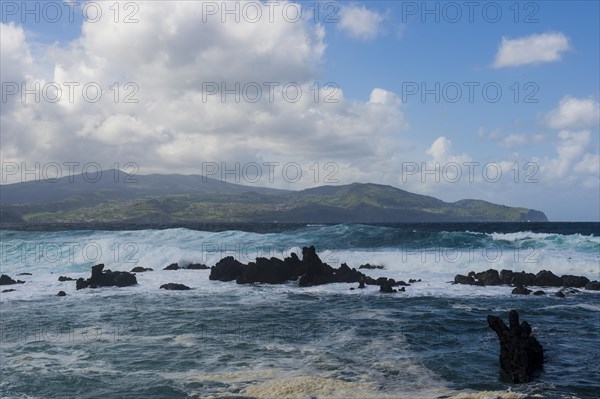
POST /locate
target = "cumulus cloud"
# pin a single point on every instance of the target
(533, 49)
(359, 22)
(192, 88)
(573, 113)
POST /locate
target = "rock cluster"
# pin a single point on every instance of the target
(521, 280)
(106, 278)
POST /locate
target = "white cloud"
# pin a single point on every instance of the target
(573, 113)
(533, 49)
(174, 126)
(359, 22)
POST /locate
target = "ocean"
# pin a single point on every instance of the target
(224, 340)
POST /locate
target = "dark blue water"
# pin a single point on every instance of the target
(226, 340)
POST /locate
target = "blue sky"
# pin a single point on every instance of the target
(375, 52)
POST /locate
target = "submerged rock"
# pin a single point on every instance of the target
(197, 266)
(24, 274)
(172, 266)
(520, 290)
(8, 290)
(369, 266)
(139, 269)
(387, 287)
(61, 293)
(593, 286)
(65, 278)
(106, 279)
(175, 287)
(521, 355)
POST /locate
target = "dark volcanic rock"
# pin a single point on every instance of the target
(593, 286)
(521, 355)
(24, 274)
(175, 287)
(227, 269)
(172, 266)
(197, 266)
(65, 278)
(369, 266)
(361, 285)
(139, 269)
(270, 271)
(387, 287)
(106, 278)
(506, 276)
(6, 280)
(546, 278)
(460, 279)
(61, 293)
(520, 290)
(569, 280)
(522, 279)
(8, 290)
(560, 294)
(489, 277)
(412, 280)
(317, 272)
(539, 292)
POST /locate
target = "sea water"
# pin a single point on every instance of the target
(225, 340)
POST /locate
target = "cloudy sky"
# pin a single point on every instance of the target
(490, 100)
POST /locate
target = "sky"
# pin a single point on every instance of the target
(489, 100)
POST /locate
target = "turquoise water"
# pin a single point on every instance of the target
(257, 341)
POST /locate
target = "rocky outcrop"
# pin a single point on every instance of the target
(140, 269)
(61, 293)
(369, 266)
(6, 280)
(197, 266)
(521, 355)
(544, 278)
(106, 278)
(175, 287)
(569, 280)
(227, 269)
(309, 271)
(65, 278)
(593, 286)
(172, 266)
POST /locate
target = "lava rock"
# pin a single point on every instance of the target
(520, 290)
(521, 355)
(175, 287)
(522, 279)
(106, 279)
(546, 278)
(61, 293)
(460, 279)
(25, 274)
(172, 266)
(263, 270)
(489, 277)
(227, 269)
(361, 284)
(412, 281)
(197, 266)
(65, 278)
(539, 292)
(506, 276)
(369, 266)
(6, 280)
(593, 286)
(8, 290)
(139, 269)
(569, 280)
(560, 294)
(387, 287)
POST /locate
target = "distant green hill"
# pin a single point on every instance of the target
(193, 198)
